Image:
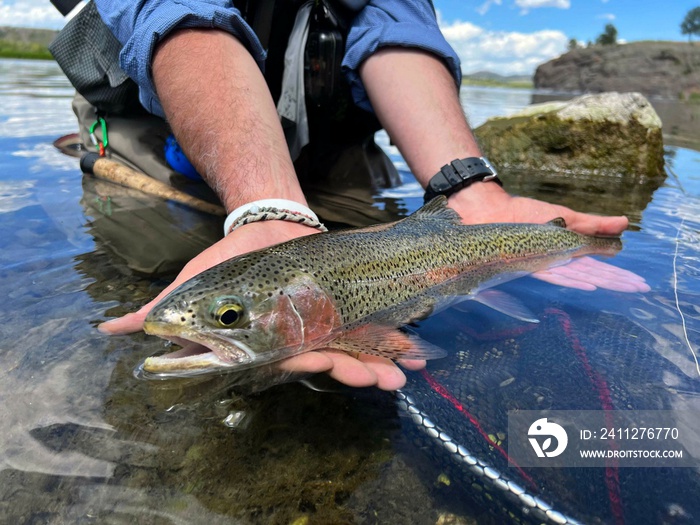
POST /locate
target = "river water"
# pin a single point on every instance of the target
(84, 441)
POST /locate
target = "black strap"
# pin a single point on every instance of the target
(262, 21)
(65, 6)
(459, 174)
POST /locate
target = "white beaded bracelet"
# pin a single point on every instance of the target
(270, 210)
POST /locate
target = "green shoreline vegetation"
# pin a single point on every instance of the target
(31, 50)
(26, 42)
(484, 82)
(491, 79)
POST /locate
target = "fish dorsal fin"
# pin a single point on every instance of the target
(437, 209)
(559, 222)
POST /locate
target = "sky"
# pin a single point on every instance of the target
(510, 37)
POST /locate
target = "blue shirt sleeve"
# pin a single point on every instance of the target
(140, 25)
(394, 23)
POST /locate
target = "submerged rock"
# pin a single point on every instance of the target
(610, 133)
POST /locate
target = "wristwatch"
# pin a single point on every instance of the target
(459, 174)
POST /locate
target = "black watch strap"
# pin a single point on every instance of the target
(459, 174)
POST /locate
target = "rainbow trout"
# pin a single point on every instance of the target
(349, 290)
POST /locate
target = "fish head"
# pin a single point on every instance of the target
(239, 319)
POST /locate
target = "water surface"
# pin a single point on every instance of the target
(83, 441)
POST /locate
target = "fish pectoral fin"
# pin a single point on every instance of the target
(386, 341)
(506, 304)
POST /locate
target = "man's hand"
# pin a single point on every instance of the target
(361, 371)
(488, 202)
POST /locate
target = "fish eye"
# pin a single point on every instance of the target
(228, 313)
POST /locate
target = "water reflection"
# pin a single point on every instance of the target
(14, 195)
(483, 103)
(29, 92)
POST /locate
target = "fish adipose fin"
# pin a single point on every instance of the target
(437, 209)
(386, 341)
(559, 221)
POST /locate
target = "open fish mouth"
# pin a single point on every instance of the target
(200, 353)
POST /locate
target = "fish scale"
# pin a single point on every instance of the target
(350, 289)
(429, 252)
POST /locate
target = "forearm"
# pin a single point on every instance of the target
(220, 109)
(416, 100)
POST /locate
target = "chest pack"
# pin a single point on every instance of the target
(88, 52)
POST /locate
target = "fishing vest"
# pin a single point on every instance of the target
(88, 53)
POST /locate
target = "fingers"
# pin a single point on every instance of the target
(607, 276)
(588, 224)
(366, 371)
(352, 372)
(587, 273)
(480, 204)
(555, 277)
(524, 209)
(363, 371)
(128, 324)
(309, 362)
(412, 364)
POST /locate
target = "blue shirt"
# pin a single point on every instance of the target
(140, 25)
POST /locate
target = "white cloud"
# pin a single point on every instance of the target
(30, 13)
(483, 8)
(534, 4)
(507, 53)
(607, 16)
(459, 31)
(526, 5)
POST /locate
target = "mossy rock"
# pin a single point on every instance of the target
(609, 134)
